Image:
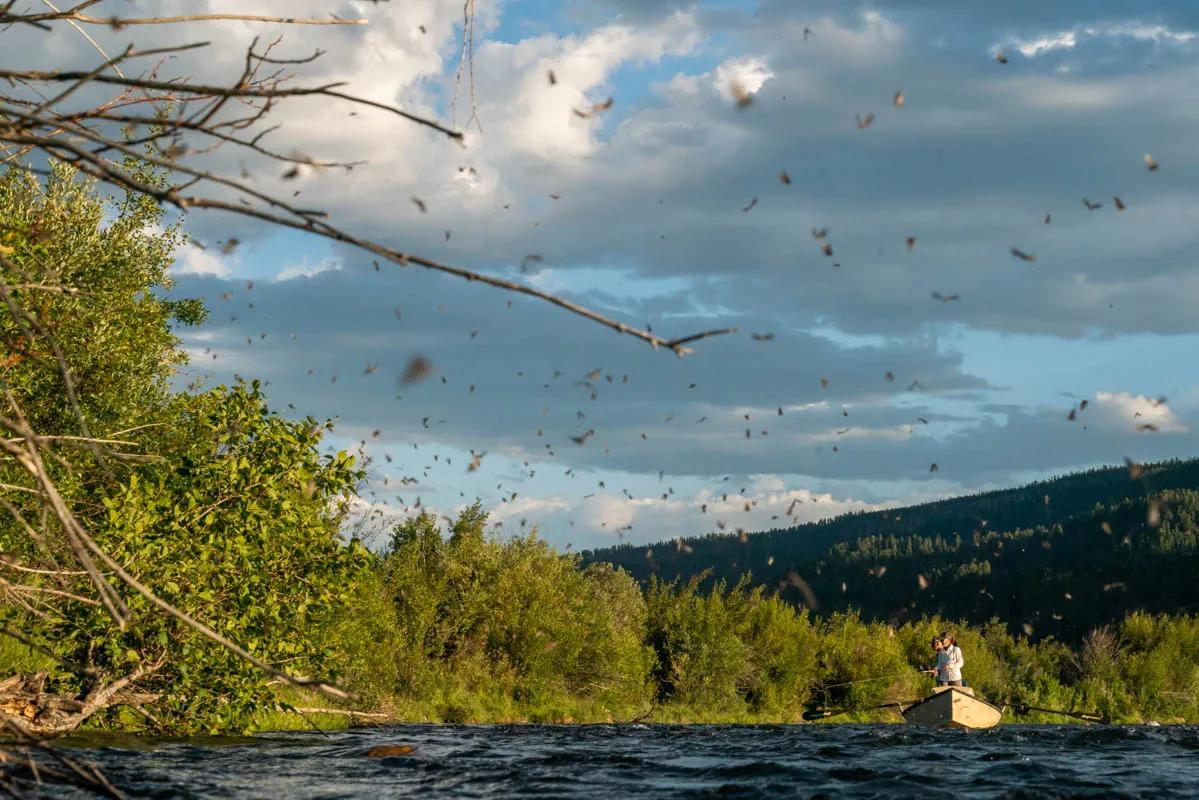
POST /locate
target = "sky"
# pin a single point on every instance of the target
(922, 340)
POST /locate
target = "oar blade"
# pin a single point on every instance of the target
(824, 713)
(1096, 718)
(819, 713)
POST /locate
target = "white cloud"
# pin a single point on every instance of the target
(1034, 47)
(765, 504)
(1069, 39)
(1145, 32)
(192, 260)
(523, 113)
(307, 270)
(767, 483)
(741, 75)
(524, 507)
(608, 513)
(1124, 411)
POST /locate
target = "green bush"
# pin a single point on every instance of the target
(701, 661)
(512, 624)
(782, 647)
(237, 526)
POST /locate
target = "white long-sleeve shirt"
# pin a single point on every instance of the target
(953, 663)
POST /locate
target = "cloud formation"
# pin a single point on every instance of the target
(668, 208)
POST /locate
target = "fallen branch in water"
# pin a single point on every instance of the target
(24, 702)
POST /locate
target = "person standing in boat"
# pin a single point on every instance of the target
(952, 675)
(938, 670)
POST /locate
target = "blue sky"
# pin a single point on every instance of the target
(649, 227)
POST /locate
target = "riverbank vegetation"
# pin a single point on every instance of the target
(463, 628)
(215, 511)
(488, 630)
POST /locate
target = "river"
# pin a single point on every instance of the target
(661, 761)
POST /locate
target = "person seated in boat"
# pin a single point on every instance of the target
(953, 660)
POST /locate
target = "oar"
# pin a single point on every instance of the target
(825, 713)
(1023, 709)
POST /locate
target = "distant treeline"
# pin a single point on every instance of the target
(1055, 558)
(467, 627)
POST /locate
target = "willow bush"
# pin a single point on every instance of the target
(483, 623)
(212, 502)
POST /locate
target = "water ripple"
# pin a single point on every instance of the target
(669, 761)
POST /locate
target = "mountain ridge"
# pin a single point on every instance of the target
(947, 556)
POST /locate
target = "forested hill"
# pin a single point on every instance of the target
(1054, 557)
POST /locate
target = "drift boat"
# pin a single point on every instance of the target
(953, 707)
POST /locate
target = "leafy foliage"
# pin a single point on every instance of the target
(114, 334)
(238, 526)
(221, 508)
(511, 619)
(112, 330)
(729, 649)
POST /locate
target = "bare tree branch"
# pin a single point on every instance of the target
(76, 14)
(205, 90)
(121, 22)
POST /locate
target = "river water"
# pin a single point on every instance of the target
(661, 761)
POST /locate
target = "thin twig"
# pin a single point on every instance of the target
(77, 15)
(75, 24)
(327, 90)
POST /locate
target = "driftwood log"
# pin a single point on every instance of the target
(27, 706)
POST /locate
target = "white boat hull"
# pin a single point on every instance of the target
(953, 707)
